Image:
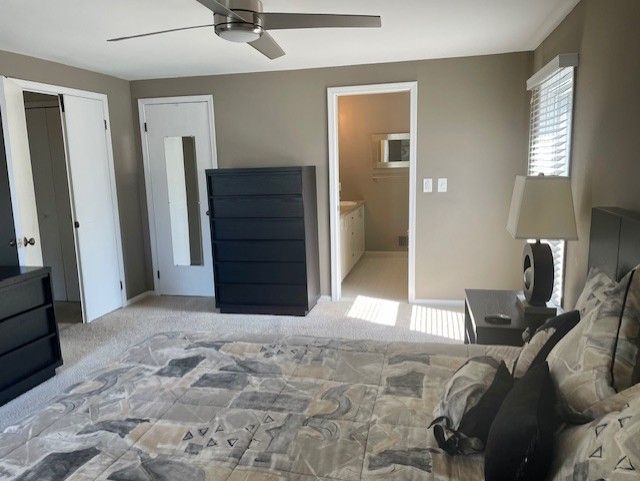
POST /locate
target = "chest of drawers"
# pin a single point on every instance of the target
(264, 231)
(29, 339)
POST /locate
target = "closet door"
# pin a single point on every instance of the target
(179, 142)
(93, 192)
(23, 199)
(8, 249)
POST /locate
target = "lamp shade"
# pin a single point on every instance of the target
(542, 208)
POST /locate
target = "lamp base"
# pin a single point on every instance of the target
(537, 263)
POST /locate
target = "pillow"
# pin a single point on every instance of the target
(543, 340)
(470, 401)
(617, 402)
(607, 448)
(584, 363)
(520, 442)
(626, 362)
(580, 363)
(595, 291)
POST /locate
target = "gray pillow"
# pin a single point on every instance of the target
(596, 290)
(607, 448)
(599, 355)
(626, 362)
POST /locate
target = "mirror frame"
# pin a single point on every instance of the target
(380, 151)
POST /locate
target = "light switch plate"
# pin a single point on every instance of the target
(442, 184)
(427, 185)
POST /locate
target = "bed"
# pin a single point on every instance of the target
(190, 406)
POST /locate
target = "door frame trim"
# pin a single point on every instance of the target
(57, 91)
(142, 103)
(333, 95)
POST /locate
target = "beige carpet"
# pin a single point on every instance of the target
(88, 347)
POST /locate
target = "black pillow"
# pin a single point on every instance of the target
(534, 353)
(476, 422)
(470, 436)
(562, 325)
(520, 442)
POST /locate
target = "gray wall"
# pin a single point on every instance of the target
(606, 137)
(387, 195)
(128, 163)
(472, 128)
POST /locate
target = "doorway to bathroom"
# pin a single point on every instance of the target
(372, 161)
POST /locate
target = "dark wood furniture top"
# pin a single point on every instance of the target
(264, 232)
(29, 339)
(480, 303)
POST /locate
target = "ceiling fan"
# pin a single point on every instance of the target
(244, 21)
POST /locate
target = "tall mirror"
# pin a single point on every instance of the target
(184, 200)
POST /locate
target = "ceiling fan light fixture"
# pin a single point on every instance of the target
(239, 32)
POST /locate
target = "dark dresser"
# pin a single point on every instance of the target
(264, 232)
(29, 340)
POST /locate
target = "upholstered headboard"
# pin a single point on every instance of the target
(614, 246)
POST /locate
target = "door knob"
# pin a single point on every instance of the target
(13, 243)
(29, 242)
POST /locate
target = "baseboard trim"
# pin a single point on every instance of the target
(139, 297)
(440, 302)
(386, 253)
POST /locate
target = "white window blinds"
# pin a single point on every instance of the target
(550, 144)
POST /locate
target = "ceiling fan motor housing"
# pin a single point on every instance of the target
(234, 30)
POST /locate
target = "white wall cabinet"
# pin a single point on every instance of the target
(351, 238)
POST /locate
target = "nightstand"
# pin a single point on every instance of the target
(480, 303)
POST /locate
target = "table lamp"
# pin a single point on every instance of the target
(541, 208)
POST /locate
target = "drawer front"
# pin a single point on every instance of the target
(256, 183)
(270, 251)
(258, 229)
(261, 273)
(28, 360)
(273, 206)
(24, 296)
(24, 328)
(261, 294)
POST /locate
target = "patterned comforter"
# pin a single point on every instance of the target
(188, 406)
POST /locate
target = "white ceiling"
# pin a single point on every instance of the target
(73, 32)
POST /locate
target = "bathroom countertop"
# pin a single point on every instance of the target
(346, 209)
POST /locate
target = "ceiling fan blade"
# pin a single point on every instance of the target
(159, 32)
(279, 21)
(221, 9)
(267, 46)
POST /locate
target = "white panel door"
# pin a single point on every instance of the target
(179, 147)
(23, 199)
(93, 200)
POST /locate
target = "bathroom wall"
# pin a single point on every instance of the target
(385, 191)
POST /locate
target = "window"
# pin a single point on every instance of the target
(550, 137)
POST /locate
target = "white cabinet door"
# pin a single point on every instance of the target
(344, 246)
(360, 244)
(352, 240)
